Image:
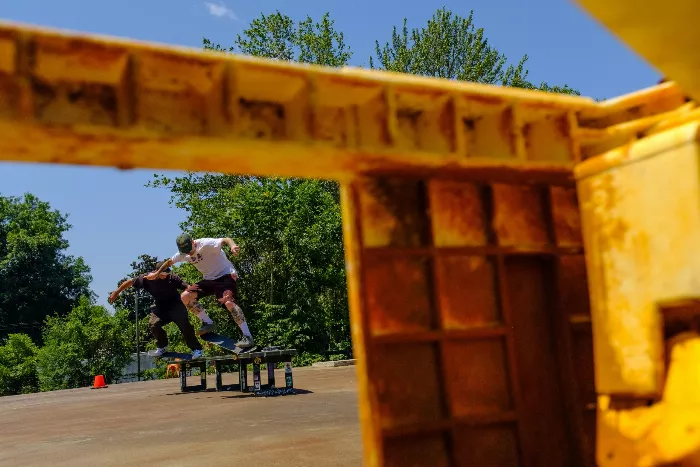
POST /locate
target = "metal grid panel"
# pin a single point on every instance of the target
(470, 337)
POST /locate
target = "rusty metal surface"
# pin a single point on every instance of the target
(78, 99)
(100, 101)
(153, 424)
(641, 227)
(467, 287)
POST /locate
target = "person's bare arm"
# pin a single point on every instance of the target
(124, 285)
(235, 249)
(163, 267)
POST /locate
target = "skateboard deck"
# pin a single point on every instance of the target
(225, 342)
(176, 356)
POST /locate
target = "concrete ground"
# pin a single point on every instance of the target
(153, 424)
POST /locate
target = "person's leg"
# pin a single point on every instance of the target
(178, 314)
(155, 324)
(189, 299)
(227, 295)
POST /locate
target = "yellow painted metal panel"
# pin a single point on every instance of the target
(665, 34)
(91, 100)
(641, 222)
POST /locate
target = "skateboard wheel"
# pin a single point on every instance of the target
(257, 360)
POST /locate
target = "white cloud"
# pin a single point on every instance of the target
(220, 10)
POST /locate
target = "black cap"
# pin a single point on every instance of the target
(184, 243)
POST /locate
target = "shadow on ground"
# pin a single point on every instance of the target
(297, 392)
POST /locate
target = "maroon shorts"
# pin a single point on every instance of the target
(218, 288)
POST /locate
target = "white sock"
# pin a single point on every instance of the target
(204, 317)
(244, 328)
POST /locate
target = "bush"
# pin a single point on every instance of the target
(87, 342)
(18, 365)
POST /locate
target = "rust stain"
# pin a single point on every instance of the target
(566, 216)
(613, 229)
(261, 120)
(331, 125)
(415, 450)
(562, 126)
(394, 374)
(627, 320)
(488, 100)
(398, 295)
(497, 446)
(457, 213)
(573, 286)
(519, 217)
(477, 377)
(468, 280)
(395, 212)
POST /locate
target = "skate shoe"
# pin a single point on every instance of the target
(245, 342)
(206, 328)
(158, 352)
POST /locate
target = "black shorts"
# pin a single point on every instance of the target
(218, 287)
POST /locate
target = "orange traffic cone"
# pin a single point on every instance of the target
(99, 382)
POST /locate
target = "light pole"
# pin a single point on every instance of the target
(138, 347)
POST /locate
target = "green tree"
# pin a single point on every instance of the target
(86, 342)
(277, 36)
(291, 264)
(292, 276)
(450, 46)
(37, 277)
(18, 366)
(292, 272)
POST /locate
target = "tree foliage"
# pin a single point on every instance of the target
(450, 46)
(277, 36)
(86, 342)
(37, 277)
(292, 276)
(18, 365)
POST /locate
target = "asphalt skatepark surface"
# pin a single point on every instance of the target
(153, 424)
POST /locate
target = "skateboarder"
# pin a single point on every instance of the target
(218, 278)
(164, 288)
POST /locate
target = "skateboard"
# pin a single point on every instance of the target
(175, 356)
(225, 342)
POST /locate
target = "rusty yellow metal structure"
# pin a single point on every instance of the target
(641, 229)
(464, 230)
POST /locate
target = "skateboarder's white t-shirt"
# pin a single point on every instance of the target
(209, 258)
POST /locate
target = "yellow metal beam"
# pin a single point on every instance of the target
(665, 34)
(99, 101)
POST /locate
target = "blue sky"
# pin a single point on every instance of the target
(115, 218)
